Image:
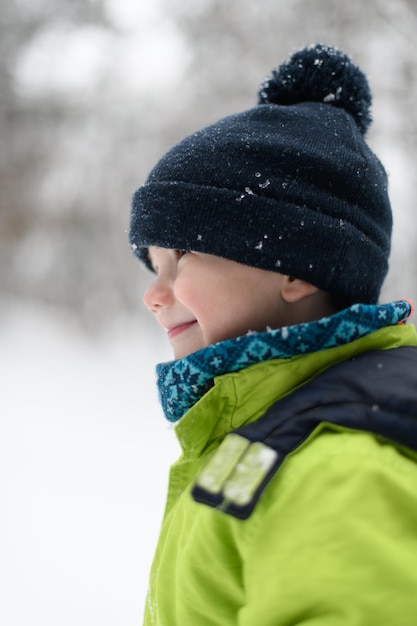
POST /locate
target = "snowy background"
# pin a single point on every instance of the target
(91, 94)
(84, 461)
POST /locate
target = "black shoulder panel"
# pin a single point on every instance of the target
(375, 392)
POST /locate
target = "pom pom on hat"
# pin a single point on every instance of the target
(289, 185)
(320, 73)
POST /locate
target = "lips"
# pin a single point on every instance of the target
(173, 331)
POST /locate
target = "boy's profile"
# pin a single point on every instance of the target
(293, 391)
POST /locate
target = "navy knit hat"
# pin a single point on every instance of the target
(289, 185)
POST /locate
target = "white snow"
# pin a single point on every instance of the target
(84, 455)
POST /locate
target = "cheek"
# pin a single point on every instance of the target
(186, 290)
(200, 294)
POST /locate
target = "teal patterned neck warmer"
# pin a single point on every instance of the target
(184, 381)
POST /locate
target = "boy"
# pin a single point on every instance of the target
(293, 392)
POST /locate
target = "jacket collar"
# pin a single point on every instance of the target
(240, 398)
(181, 383)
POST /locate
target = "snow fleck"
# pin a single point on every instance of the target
(332, 97)
(310, 266)
(199, 237)
(380, 366)
(248, 191)
(265, 184)
(375, 407)
(257, 174)
(284, 332)
(302, 223)
(277, 263)
(259, 245)
(280, 237)
(318, 62)
(134, 247)
(341, 223)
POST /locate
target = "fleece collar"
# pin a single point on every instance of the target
(181, 383)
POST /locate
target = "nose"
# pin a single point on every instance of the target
(158, 295)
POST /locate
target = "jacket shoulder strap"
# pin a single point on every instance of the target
(354, 395)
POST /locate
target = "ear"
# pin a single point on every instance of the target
(294, 289)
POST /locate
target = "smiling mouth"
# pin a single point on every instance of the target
(180, 328)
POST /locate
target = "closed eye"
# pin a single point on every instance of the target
(180, 253)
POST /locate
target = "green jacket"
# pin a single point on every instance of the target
(299, 557)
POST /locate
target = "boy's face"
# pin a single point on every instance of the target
(201, 299)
